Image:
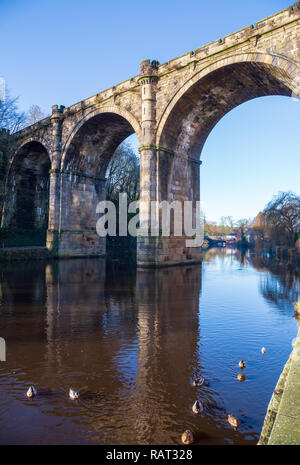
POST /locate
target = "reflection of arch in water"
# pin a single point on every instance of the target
(152, 323)
(74, 299)
(168, 321)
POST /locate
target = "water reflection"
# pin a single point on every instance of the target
(167, 303)
(279, 282)
(132, 342)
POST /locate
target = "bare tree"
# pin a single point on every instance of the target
(34, 115)
(243, 221)
(282, 216)
(123, 174)
(11, 118)
(224, 225)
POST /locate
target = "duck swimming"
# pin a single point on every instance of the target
(233, 421)
(263, 350)
(187, 437)
(242, 364)
(73, 394)
(31, 392)
(198, 407)
(198, 381)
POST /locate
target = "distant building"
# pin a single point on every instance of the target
(230, 237)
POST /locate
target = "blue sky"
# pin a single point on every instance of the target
(59, 52)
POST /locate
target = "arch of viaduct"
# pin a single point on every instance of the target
(172, 108)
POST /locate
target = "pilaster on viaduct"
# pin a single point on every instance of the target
(172, 108)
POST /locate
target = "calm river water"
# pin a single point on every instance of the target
(132, 341)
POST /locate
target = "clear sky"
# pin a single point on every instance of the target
(62, 51)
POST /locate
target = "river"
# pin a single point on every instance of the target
(132, 341)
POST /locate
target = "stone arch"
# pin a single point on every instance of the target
(84, 162)
(192, 113)
(218, 88)
(44, 145)
(121, 115)
(26, 206)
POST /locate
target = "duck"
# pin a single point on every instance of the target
(198, 381)
(242, 364)
(198, 407)
(263, 350)
(187, 437)
(73, 394)
(233, 421)
(32, 392)
(241, 377)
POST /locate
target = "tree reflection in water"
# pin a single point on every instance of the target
(281, 285)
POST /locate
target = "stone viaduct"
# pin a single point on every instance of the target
(172, 108)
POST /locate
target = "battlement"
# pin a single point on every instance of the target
(57, 109)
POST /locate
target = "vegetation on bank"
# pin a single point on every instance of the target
(227, 226)
(279, 223)
(277, 226)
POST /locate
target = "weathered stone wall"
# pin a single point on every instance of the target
(79, 198)
(172, 108)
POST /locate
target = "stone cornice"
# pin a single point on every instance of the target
(147, 77)
(77, 173)
(159, 148)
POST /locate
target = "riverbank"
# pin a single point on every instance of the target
(282, 421)
(8, 254)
